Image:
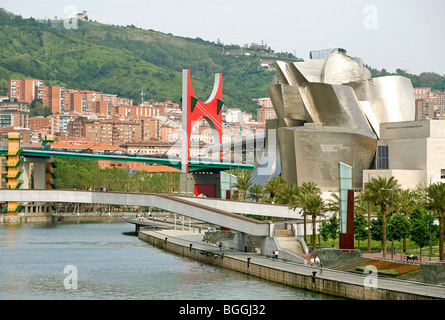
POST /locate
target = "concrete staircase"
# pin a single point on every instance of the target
(255, 243)
(287, 242)
(412, 276)
(349, 265)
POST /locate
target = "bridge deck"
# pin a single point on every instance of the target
(173, 162)
(162, 201)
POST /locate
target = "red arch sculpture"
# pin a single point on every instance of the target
(193, 109)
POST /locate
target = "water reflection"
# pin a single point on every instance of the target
(112, 263)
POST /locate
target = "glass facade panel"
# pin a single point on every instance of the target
(345, 184)
(382, 157)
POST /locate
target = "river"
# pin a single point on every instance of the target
(103, 261)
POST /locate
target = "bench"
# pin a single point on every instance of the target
(412, 258)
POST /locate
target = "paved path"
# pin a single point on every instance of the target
(185, 238)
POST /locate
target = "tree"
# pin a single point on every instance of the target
(273, 186)
(243, 183)
(419, 231)
(37, 108)
(315, 208)
(362, 206)
(381, 192)
(256, 192)
(329, 230)
(360, 228)
(436, 202)
(406, 201)
(288, 193)
(398, 227)
(302, 201)
(376, 228)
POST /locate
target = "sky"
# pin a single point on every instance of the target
(405, 34)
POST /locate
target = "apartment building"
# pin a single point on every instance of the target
(14, 114)
(265, 113)
(52, 96)
(105, 131)
(135, 111)
(23, 90)
(421, 93)
(41, 124)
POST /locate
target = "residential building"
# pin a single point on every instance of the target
(105, 131)
(265, 113)
(426, 108)
(41, 124)
(23, 90)
(14, 114)
(421, 93)
(52, 96)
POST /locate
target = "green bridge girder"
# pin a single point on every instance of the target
(174, 163)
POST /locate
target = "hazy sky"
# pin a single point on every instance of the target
(406, 34)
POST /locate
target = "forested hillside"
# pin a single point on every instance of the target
(123, 60)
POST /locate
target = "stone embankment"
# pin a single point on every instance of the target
(333, 282)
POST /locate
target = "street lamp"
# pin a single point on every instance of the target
(429, 222)
(392, 210)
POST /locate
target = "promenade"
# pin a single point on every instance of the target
(357, 285)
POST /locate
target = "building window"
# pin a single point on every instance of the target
(382, 157)
(442, 173)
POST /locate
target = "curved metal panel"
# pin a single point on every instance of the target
(287, 102)
(311, 70)
(385, 99)
(319, 150)
(343, 108)
(340, 68)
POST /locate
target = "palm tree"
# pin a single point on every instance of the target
(243, 182)
(381, 191)
(436, 202)
(362, 207)
(301, 200)
(315, 208)
(256, 192)
(288, 193)
(334, 203)
(273, 187)
(406, 201)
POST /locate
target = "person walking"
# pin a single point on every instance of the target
(317, 261)
(276, 254)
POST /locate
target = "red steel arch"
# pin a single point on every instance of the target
(193, 109)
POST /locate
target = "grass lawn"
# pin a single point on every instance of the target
(411, 247)
(389, 268)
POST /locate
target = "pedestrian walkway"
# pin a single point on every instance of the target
(185, 238)
(398, 257)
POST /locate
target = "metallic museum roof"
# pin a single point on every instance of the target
(332, 101)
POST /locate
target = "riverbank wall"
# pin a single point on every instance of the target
(264, 269)
(65, 218)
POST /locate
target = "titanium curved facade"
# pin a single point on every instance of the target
(330, 111)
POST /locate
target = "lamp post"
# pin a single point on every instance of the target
(429, 222)
(392, 209)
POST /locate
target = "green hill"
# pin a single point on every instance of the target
(123, 60)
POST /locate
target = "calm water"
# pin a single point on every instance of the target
(112, 263)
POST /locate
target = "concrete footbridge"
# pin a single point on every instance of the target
(213, 211)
